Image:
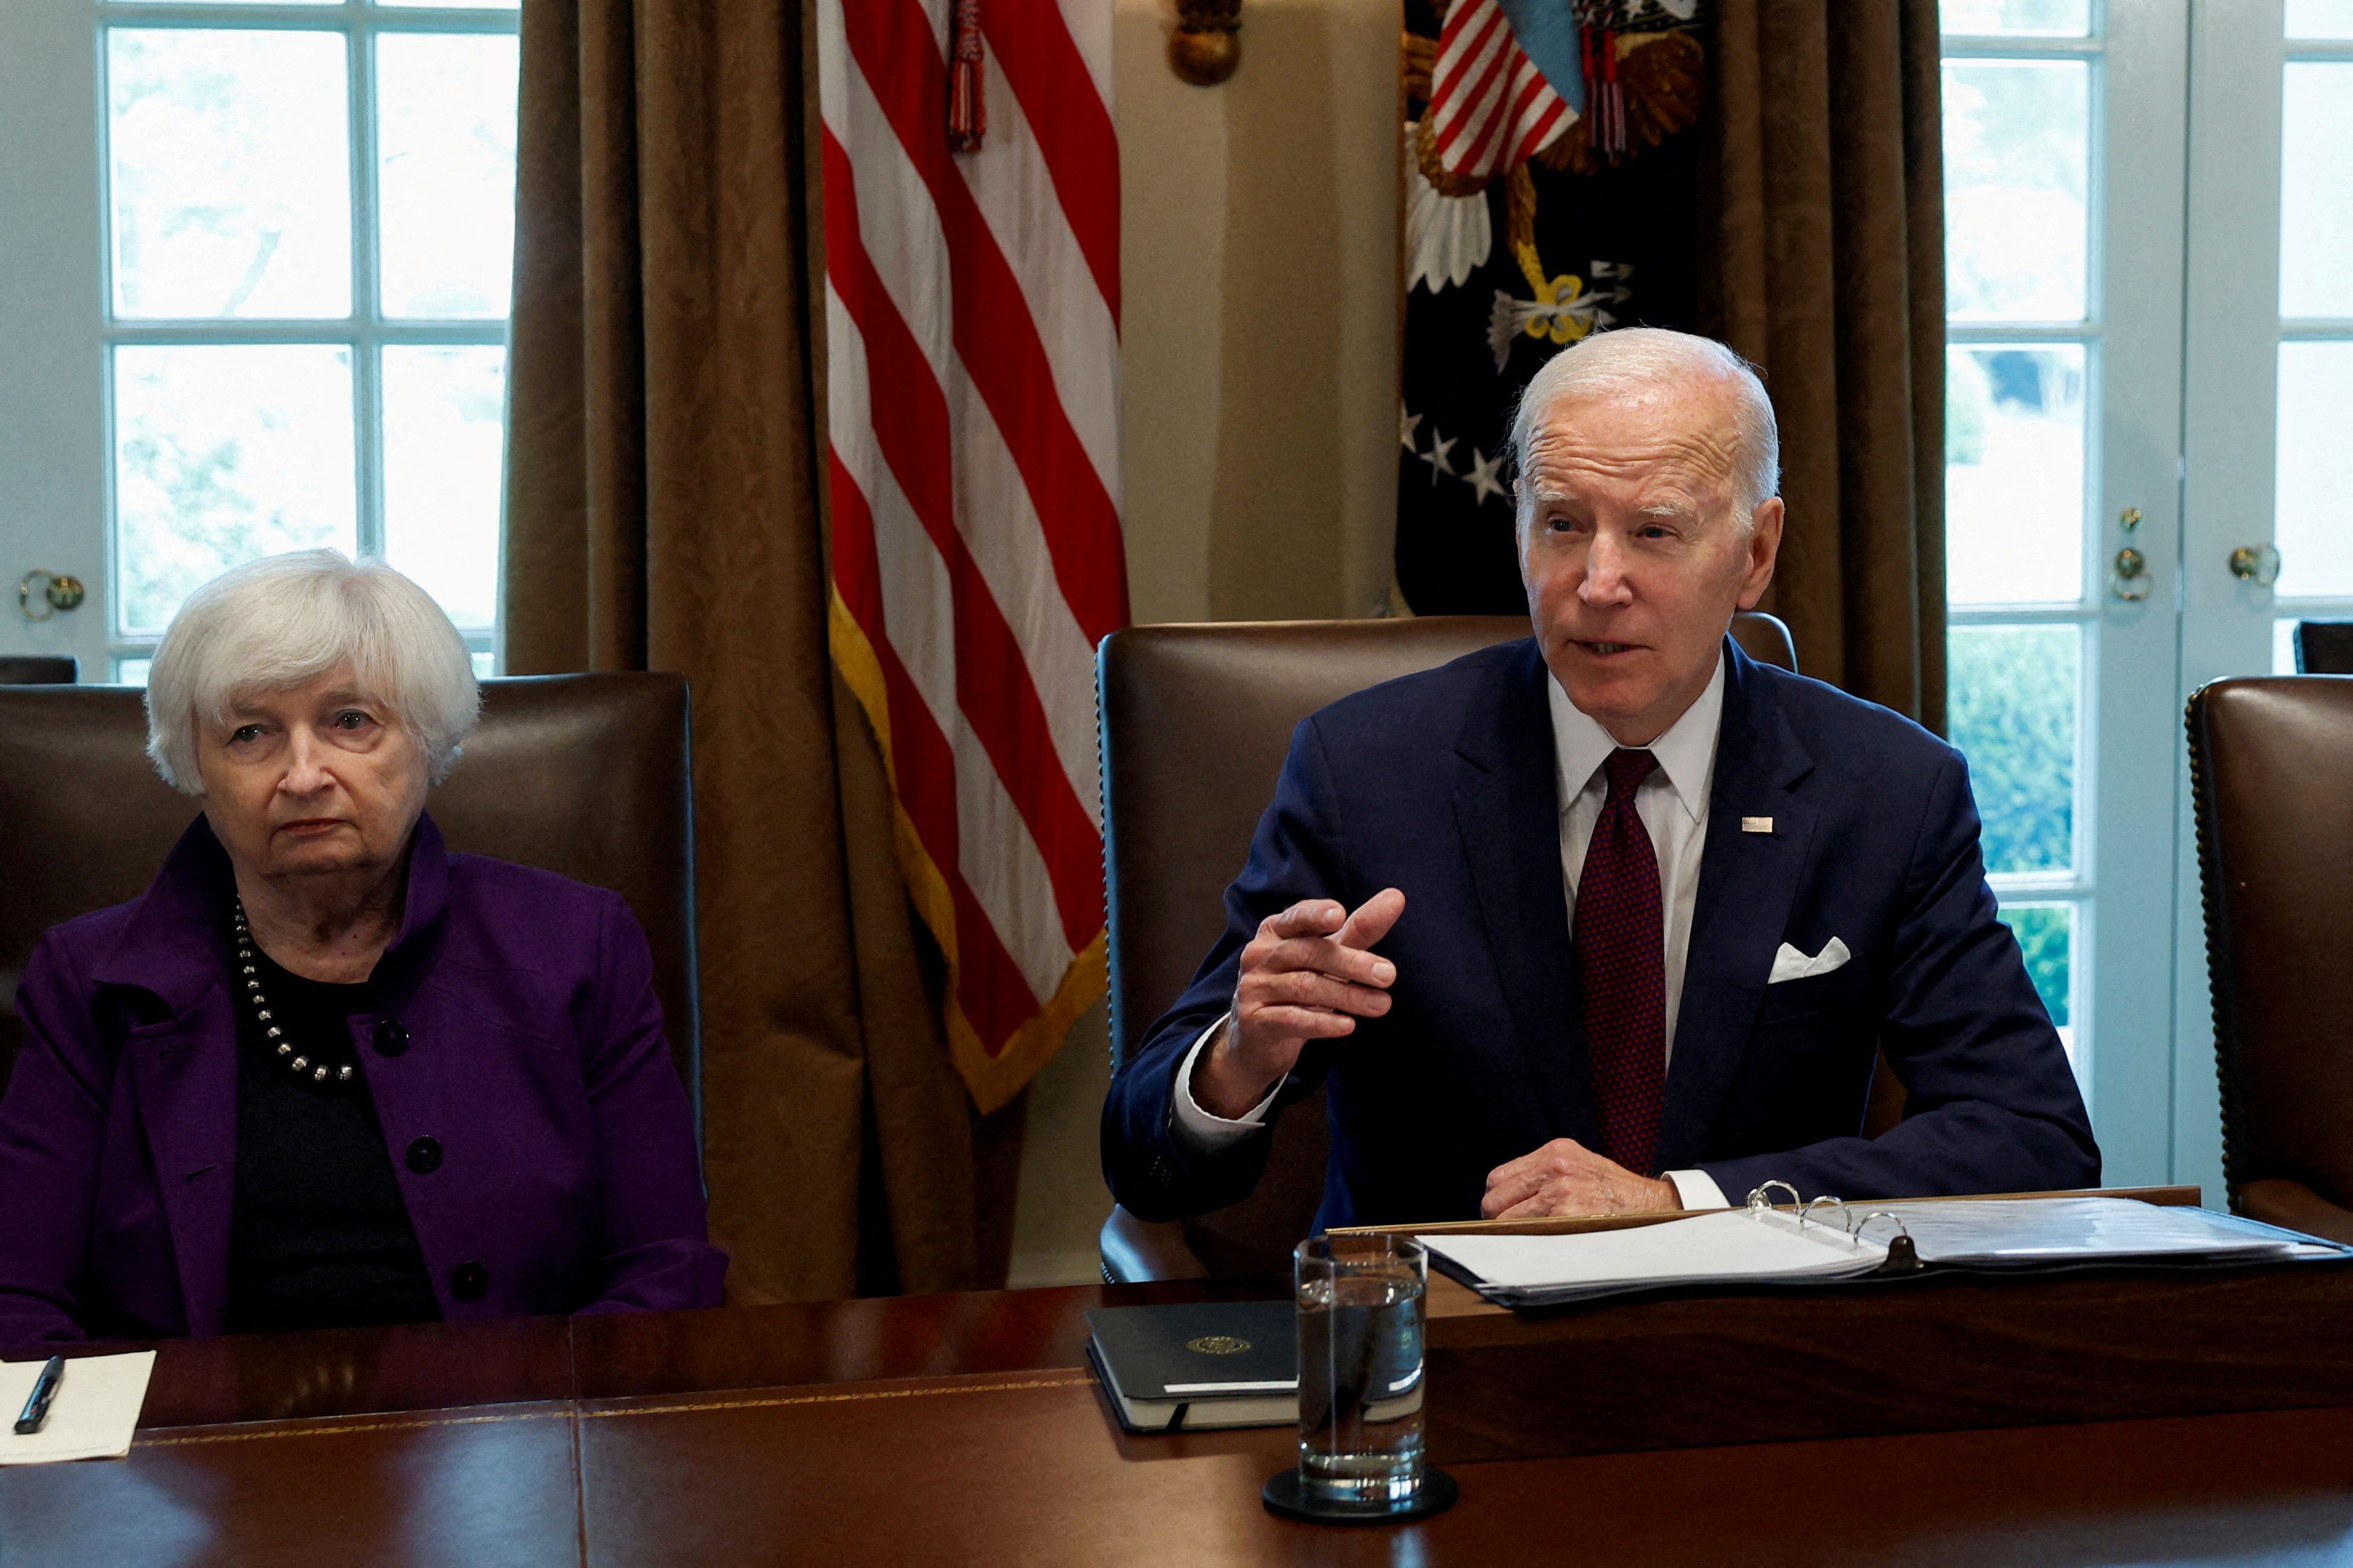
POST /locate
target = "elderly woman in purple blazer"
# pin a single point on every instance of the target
(324, 1072)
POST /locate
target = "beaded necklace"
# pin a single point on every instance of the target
(248, 963)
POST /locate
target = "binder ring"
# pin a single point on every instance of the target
(1838, 1204)
(1757, 1200)
(1902, 1257)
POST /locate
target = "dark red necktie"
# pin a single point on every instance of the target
(1620, 942)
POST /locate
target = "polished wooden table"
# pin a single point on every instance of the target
(953, 1429)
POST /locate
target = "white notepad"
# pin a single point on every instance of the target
(1756, 1245)
(1734, 1246)
(96, 1407)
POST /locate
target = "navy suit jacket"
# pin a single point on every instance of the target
(1443, 784)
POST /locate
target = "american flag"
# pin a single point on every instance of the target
(1489, 106)
(972, 321)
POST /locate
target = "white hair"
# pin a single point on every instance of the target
(285, 620)
(1639, 359)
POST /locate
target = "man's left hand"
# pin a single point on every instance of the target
(1566, 1177)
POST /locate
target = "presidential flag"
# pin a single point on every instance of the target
(1551, 192)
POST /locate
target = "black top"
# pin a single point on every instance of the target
(318, 1236)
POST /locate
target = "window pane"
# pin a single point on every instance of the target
(223, 454)
(130, 669)
(2046, 939)
(446, 141)
(444, 413)
(2014, 474)
(231, 179)
(2315, 198)
(2010, 704)
(2017, 140)
(2320, 18)
(2044, 18)
(2314, 528)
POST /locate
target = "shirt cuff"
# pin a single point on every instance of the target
(1207, 1134)
(1697, 1190)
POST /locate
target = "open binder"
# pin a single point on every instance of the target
(1828, 1241)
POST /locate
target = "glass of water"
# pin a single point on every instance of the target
(1360, 1382)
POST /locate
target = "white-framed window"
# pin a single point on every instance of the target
(302, 217)
(2065, 123)
(2314, 459)
(2022, 86)
(2150, 360)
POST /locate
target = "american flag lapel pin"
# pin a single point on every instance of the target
(1755, 824)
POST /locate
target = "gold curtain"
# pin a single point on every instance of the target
(1822, 260)
(663, 512)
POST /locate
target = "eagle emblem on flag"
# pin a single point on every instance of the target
(1550, 186)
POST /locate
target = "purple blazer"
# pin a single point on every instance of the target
(522, 1033)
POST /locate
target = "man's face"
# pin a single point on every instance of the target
(1633, 549)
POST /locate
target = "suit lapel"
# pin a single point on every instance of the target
(1747, 882)
(182, 1063)
(1507, 811)
(184, 1073)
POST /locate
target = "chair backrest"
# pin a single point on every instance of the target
(1195, 722)
(587, 776)
(2269, 762)
(2324, 648)
(39, 669)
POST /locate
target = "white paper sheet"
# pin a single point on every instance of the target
(1742, 1246)
(1734, 1245)
(1995, 1233)
(96, 1406)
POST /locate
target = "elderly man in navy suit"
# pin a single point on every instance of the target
(1613, 918)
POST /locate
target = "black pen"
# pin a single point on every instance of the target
(45, 1388)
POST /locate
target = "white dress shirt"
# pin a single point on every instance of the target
(1672, 802)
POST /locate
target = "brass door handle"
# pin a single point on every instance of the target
(59, 592)
(2130, 581)
(2256, 564)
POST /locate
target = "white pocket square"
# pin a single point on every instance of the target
(1790, 965)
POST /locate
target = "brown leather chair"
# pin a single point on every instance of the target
(2270, 762)
(587, 775)
(39, 669)
(2324, 648)
(1195, 721)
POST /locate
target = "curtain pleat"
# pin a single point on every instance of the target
(1823, 261)
(664, 513)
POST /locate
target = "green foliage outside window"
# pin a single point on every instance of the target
(2045, 935)
(2011, 706)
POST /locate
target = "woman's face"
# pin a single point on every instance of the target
(318, 780)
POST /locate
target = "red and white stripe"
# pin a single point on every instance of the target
(1489, 106)
(972, 319)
